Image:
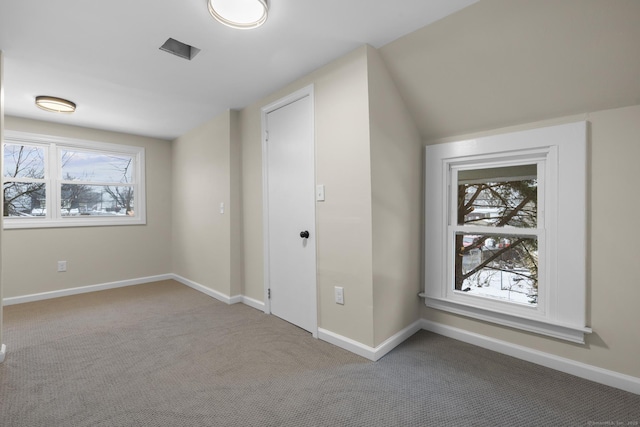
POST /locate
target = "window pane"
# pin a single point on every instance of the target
(23, 161)
(101, 200)
(498, 197)
(498, 266)
(96, 167)
(24, 199)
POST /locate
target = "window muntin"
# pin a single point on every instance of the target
(57, 182)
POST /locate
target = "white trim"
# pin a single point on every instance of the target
(236, 299)
(365, 351)
(3, 352)
(83, 289)
(561, 308)
(207, 291)
(556, 330)
(578, 369)
(258, 305)
(254, 303)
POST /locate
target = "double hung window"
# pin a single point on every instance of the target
(506, 229)
(58, 182)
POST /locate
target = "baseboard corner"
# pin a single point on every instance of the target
(372, 353)
(203, 289)
(254, 303)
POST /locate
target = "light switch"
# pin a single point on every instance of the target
(320, 193)
(222, 208)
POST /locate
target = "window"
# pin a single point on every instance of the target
(495, 231)
(58, 182)
(505, 229)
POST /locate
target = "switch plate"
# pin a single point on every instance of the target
(62, 266)
(320, 193)
(339, 294)
(222, 207)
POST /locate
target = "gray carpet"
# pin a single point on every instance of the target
(162, 354)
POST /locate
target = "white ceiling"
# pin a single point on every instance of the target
(104, 55)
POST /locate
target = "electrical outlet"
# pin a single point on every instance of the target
(339, 294)
(62, 266)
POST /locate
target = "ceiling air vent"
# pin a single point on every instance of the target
(180, 49)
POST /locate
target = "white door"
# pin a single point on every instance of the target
(290, 239)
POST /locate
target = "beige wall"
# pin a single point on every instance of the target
(1, 168)
(343, 221)
(235, 207)
(206, 172)
(95, 255)
(368, 158)
(396, 165)
(613, 291)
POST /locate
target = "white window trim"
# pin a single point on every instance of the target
(561, 308)
(53, 178)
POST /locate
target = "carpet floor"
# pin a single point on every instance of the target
(162, 354)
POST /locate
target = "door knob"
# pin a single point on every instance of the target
(304, 234)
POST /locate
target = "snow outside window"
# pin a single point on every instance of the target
(505, 229)
(59, 182)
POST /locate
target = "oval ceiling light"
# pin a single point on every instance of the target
(241, 14)
(55, 105)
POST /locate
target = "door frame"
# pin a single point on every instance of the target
(307, 91)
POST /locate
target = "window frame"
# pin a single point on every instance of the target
(539, 157)
(53, 146)
(562, 152)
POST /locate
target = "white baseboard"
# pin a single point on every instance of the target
(207, 291)
(83, 289)
(371, 353)
(3, 352)
(579, 369)
(236, 299)
(258, 305)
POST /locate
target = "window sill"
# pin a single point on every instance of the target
(564, 332)
(71, 222)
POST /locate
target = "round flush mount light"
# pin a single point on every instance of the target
(55, 105)
(240, 14)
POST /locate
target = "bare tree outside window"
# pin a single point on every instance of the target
(93, 183)
(97, 183)
(24, 188)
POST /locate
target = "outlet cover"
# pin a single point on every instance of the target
(339, 294)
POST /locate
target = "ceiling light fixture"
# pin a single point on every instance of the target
(241, 14)
(55, 105)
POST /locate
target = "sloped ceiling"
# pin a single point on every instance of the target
(460, 65)
(504, 62)
(104, 55)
